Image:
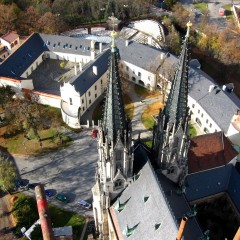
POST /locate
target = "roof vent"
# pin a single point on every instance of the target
(145, 198)
(129, 231)
(119, 206)
(156, 226)
(136, 177)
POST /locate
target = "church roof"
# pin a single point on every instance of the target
(209, 151)
(114, 120)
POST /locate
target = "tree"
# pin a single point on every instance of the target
(6, 94)
(7, 174)
(47, 23)
(7, 18)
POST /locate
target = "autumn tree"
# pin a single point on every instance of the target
(47, 23)
(7, 18)
(7, 174)
(6, 94)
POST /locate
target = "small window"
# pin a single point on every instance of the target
(70, 100)
(198, 111)
(149, 78)
(207, 121)
(202, 115)
(127, 68)
(210, 125)
(133, 72)
(83, 109)
(193, 105)
(95, 87)
(206, 130)
(157, 225)
(82, 101)
(118, 183)
(101, 81)
(90, 101)
(198, 122)
(139, 74)
(133, 79)
(89, 93)
(95, 95)
(145, 198)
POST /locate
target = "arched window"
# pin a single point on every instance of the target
(206, 130)
(133, 79)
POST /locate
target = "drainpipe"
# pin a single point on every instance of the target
(181, 228)
(237, 236)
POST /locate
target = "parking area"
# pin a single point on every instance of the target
(69, 171)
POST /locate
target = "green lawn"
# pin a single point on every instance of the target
(201, 6)
(149, 143)
(145, 93)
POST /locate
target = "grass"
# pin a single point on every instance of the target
(149, 112)
(18, 144)
(145, 93)
(192, 131)
(149, 143)
(201, 6)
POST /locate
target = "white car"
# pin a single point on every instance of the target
(84, 204)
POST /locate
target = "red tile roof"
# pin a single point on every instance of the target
(10, 37)
(209, 151)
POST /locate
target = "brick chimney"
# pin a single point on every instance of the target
(181, 228)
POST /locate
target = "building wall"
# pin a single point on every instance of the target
(27, 83)
(48, 99)
(201, 117)
(15, 84)
(138, 75)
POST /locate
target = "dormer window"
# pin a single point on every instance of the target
(118, 183)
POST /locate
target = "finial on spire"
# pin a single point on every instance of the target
(113, 19)
(189, 24)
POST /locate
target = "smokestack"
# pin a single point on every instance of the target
(100, 47)
(43, 213)
(237, 235)
(181, 228)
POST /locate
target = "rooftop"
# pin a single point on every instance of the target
(209, 151)
(10, 37)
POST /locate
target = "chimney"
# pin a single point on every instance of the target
(127, 43)
(92, 55)
(92, 45)
(181, 228)
(75, 68)
(211, 87)
(149, 40)
(162, 56)
(100, 47)
(80, 66)
(237, 235)
(95, 70)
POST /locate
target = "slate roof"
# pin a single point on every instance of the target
(209, 151)
(10, 37)
(221, 106)
(156, 210)
(217, 180)
(83, 81)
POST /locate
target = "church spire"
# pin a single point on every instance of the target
(114, 121)
(176, 106)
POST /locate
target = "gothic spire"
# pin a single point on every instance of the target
(114, 121)
(176, 106)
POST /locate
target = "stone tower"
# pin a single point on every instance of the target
(170, 138)
(115, 164)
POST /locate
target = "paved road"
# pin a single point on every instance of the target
(70, 171)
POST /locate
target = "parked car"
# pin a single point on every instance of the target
(94, 133)
(49, 193)
(84, 204)
(63, 198)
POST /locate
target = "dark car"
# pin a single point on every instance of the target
(63, 198)
(49, 193)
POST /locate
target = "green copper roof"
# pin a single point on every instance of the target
(114, 120)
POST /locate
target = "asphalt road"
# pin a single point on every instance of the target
(70, 171)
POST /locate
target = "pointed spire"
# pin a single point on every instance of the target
(114, 121)
(176, 106)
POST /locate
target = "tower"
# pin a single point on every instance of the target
(170, 138)
(115, 164)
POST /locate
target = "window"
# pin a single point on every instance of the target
(157, 225)
(133, 79)
(206, 130)
(193, 105)
(118, 183)
(210, 125)
(16, 42)
(198, 122)
(95, 95)
(149, 78)
(198, 111)
(90, 101)
(145, 198)
(127, 68)
(133, 72)
(95, 87)
(70, 100)
(82, 101)
(202, 115)
(139, 74)
(101, 81)
(89, 93)
(83, 109)
(207, 121)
